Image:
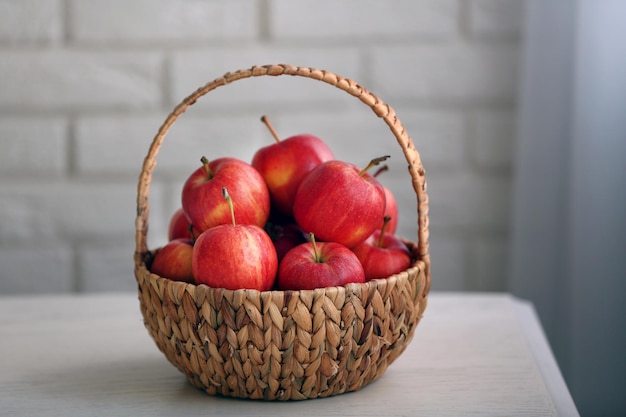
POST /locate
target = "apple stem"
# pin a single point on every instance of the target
(205, 162)
(192, 233)
(373, 163)
(265, 120)
(386, 221)
(316, 253)
(381, 170)
(230, 204)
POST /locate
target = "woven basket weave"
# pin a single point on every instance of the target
(284, 345)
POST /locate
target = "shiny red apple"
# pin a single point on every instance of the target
(285, 163)
(318, 264)
(235, 256)
(202, 198)
(339, 202)
(383, 254)
(173, 261)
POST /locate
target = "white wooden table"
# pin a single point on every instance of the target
(89, 355)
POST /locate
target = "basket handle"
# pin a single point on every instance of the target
(382, 110)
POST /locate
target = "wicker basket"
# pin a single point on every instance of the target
(284, 345)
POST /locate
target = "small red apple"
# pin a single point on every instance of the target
(173, 261)
(202, 198)
(339, 202)
(383, 254)
(235, 256)
(285, 163)
(391, 205)
(319, 264)
(180, 227)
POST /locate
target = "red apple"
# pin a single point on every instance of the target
(339, 202)
(202, 198)
(285, 163)
(383, 254)
(180, 227)
(318, 264)
(391, 206)
(235, 256)
(173, 261)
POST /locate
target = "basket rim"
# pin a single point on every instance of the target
(350, 287)
(414, 268)
(381, 109)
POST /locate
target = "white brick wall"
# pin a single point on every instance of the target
(25, 154)
(497, 18)
(162, 21)
(363, 20)
(452, 72)
(66, 79)
(85, 85)
(30, 21)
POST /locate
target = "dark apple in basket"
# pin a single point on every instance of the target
(339, 202)
(234, 256)
(173, 260)
(318, 264)
(383, 254)
(285, 234)
(285, 163)
(204, 204)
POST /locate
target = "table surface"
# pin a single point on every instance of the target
(76, 355)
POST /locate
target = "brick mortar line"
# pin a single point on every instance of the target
(263, 40)
(263, 16)
(78, 284)
(214, 111)
(66, 22)
(401, 104)
(70, 138)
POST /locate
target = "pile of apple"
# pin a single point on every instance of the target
(294, 218)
